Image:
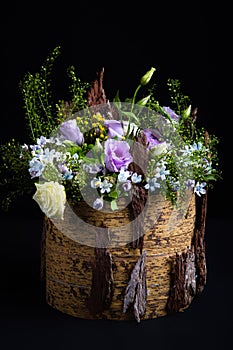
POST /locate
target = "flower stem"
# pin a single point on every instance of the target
(134, 96)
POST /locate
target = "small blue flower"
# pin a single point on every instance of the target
(175, 185)
(186, 151)
(135, 178)
(41, 141)
(207, 166)
(161, 172)
(152, 184)
(123, 175)
(36, 167)
(48, 155)
(105, 186)
(196, 146)
(199, 188)
(67, 175)
(36, 150)
(98, 203)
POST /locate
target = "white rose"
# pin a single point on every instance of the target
(51, 198)
(158, 149)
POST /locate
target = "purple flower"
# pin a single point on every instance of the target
(171, 113)
(152, 137)
(98, 204)
(92, 168)
(190, 184)
(70, 131)
(117, 155)
(127, 186)
(114, 128)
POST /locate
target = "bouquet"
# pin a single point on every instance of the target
(88, 148)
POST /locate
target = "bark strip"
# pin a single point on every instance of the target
(183, 281)
(102, 277)
(139, 193)
(136, 290)
(199, 241)
(96, 94)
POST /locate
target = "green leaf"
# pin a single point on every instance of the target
(211, 177)
(143, 101)
(130, 115)
(117, 101)
(114, 194)
(114, 205)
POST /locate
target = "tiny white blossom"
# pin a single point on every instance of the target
(161, 172)
(136, 178)
(123, 175)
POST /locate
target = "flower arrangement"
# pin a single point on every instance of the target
(79, 149)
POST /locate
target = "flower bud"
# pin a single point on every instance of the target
(186, 113)
(147, 77)
(144, 101)
(98, 146)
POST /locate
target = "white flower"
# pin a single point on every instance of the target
(105, 186)
(161, 172)
(95, 183)
(135, 178)
(160, 148)
(41, 141)
(123, 175)
(152, 184)
(51, 198)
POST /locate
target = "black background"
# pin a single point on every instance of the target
(185, 41)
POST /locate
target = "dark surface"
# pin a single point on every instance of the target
(27, 322)
(189, 42)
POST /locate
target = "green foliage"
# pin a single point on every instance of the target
(78, 89)
(37, 98)
(179, 101)
(43, 115)
(78, 102)
(15, 180)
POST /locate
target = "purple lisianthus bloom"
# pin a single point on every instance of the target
(116, 155)
(70, 131)
(152, 137)
(114, 128)
(98, 204)
(127, 186)
(175, 117)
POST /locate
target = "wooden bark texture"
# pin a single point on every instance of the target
(71, 276)
(97, 100)
(136, 290)
(183, 281)
(139, 193)
(102, 277)
(199, 241)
